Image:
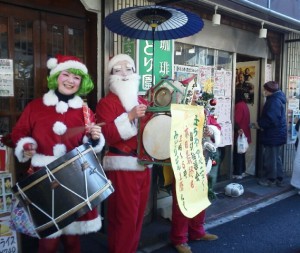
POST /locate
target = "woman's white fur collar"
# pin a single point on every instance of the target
(50, 99)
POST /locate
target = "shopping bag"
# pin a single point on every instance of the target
(20, 220)
(242, 144)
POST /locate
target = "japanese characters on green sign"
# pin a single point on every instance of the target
(161, 58)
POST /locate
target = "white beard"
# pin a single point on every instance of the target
(126, 90)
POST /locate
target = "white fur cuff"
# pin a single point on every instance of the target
(19, 150)
(125, 128)
(126, 163)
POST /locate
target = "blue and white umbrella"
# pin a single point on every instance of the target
(153, 23)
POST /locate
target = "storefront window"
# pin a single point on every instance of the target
(214, 72)
(191, 55)
(23, 63)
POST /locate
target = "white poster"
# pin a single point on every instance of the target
(6, 78)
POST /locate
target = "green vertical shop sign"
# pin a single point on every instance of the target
(128, 46)
(161, 58)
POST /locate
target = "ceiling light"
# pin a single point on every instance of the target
(216, 19)
(263, 31)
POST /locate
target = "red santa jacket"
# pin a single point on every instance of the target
(120, 134)
(53, 126)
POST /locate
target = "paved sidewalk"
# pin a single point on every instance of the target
(224, 208)
(156, 234)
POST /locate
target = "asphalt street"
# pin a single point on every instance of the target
(272, 229)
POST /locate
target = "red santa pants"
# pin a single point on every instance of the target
(71, 244)
(183, 228)
(126, 209)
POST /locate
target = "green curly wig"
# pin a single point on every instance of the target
(86, 85)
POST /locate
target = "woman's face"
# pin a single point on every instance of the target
(68, 83)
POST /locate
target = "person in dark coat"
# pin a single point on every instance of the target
(273, 134)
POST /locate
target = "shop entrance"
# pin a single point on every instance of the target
(250, 68)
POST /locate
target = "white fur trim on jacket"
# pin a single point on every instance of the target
(79, 228)
(59, 128)
(39, 160)
(61, 107)
(75, 102)
(19, 150)
(125, 128)
(98, 148)
(59, 150)
(50, 99)
(216, 134)
(127, 163)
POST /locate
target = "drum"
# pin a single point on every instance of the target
(156, 137)
(64, 190)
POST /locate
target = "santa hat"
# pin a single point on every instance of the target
(271, 86)
(117, 58)
(64, 62)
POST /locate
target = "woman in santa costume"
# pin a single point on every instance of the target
(120, 110)
(42, 134)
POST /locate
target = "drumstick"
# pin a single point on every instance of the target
(76, 130)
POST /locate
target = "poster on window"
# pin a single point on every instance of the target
(293, 95)
(6, 78)
(294, 88)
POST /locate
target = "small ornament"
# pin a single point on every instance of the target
(214, 162)
(213, 102)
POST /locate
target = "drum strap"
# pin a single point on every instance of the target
(120, 152)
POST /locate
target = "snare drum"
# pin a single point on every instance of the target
(59, 193)
(156, 137)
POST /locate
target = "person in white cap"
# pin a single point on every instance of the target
(42, 134)
(120, 109)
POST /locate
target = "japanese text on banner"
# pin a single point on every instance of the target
(187, 158)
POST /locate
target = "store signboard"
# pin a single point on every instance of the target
(161, 59)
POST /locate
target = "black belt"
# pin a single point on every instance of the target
(120, 152)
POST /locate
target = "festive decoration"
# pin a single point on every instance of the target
(208, 86)
(213, 102)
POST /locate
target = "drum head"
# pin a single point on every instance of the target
(156, 137)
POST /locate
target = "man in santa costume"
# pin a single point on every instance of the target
(45, 132)
(120, 110)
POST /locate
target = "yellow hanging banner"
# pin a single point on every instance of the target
(187, 158)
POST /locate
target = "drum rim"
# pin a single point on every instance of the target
(40, 175)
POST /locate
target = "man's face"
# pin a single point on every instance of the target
(122, 68)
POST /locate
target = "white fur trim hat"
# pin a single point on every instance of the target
(64, 62)
(117, 58)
